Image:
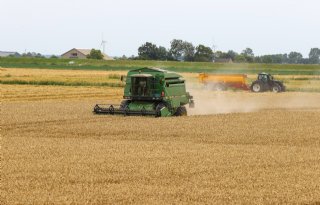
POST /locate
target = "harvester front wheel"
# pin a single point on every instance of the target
(159, 108)
(181, 111)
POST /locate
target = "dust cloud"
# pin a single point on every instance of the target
(213, 102)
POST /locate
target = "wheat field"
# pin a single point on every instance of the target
(250, 149)
(78, 78)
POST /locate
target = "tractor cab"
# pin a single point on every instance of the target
(265, 77)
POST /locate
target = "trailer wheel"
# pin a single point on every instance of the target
(256, 87)
(276, 88)
(181, 111)
(220, 87)
(111, 109)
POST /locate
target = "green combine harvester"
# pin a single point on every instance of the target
(151, 92)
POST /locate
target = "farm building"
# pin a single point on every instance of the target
(81, 54)
(8, 53)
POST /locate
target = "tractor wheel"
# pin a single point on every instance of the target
(181, 111)
(159, 108)
(256, 87)
(276, 88)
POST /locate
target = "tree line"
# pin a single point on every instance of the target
(94, 54)
(185, 51)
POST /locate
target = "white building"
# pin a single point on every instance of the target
(7, 53)
(81, 54)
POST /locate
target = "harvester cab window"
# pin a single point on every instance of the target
(140, 86)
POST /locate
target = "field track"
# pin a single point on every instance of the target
(54, 150)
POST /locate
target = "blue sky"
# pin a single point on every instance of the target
(53, 27)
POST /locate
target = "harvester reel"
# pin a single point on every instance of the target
(96, 108)
(111, 109)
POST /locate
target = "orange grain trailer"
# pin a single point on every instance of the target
(221, 82)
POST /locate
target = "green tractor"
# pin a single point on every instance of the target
(151, 92)
(265, 82)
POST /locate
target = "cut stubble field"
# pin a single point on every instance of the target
(246, 149)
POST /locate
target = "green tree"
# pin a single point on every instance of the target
(162, 53)
(295, 57)
(203, 54)
(219, 54)
(176, 49)
(38, 55)
(182, 50)
(27, 55)
(188, 51)
(148, 51)
(231, 54)
(266, 59)
(257, 59)
(314, 56)
(240, 59)
(95, 54)
(248, 54)
(228, 55)
(276, 58)
(284, 58)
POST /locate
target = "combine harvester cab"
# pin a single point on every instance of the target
(221, 82)
(151, 92)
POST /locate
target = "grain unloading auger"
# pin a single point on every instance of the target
(153, 92)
